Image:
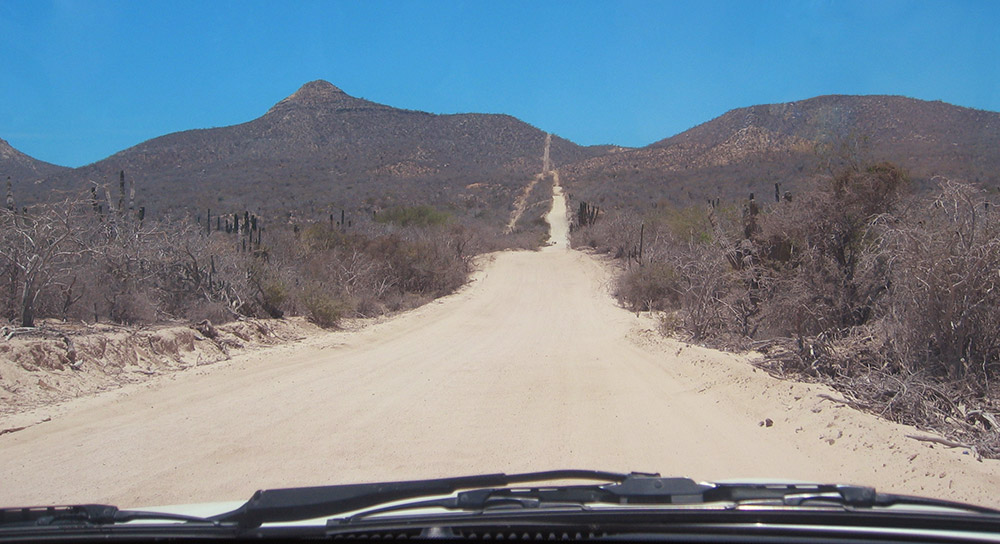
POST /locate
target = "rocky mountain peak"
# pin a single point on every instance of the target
(317, 90)
(319, 94)
(6, 151)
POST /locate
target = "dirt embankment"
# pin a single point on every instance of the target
(60, 361)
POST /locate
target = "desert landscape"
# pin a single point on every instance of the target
(531, 366)
(338, 290)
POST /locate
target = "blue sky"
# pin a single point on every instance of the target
(80, 80)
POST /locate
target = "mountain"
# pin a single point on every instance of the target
(23, 171)
(321, 150)
(749, 149)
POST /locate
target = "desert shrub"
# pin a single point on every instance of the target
(413, 216)
(944, 311)
(214, 312)
(321, 307)
(10, 279)
(713, 299)
(614, 232)
(422, 264)
(804, 267)
(687, 224)
(320, 237)
(818, 254)
(272, 294)
(75, 260)
(39, 248)
(855, 282)
(651, 287)
(131, 306)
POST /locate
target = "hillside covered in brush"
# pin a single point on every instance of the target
(22, 169)
(321, 150)
(749, 149)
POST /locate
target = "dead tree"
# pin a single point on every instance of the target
(41, 246)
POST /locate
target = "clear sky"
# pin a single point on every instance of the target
(80, 80)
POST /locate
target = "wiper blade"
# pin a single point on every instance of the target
(635, 489)
(848, 496)
(490, 490)
(85, 514)
(275, 505)
(646, 489)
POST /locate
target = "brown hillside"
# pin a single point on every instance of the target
(749, 149)
(22, 170)
(321, 150)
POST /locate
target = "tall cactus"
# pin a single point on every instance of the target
(10, 196)
(131, 194)
(750, 211)
(111, 213)
(587, 214)
(121, 193)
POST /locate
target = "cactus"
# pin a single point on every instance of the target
(111, 207)
(10, 196)
(750, 211)
(94, 202)
(121, 193)
(131, 194)
(587, 214)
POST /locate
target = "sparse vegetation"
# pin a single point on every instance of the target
(888, 295)
(98, 259)
(416, 216)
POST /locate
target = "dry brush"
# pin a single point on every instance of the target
(891, 296)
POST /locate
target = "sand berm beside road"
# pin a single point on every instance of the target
(532, 366)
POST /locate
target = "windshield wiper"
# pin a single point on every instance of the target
(274, 505)
(635, 488)
(86, 514)
(645, 489)
(486, 493)
(479, 493)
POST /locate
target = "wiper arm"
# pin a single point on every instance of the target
(909, 500)
(635, 488)
(848, 496)
(88, 514)
(479, 500)
(273, 505)
(645, 489)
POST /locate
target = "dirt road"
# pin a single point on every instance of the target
(532, 366)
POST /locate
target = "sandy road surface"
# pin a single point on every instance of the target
(530, 367)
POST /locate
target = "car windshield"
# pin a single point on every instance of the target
(261, 245)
